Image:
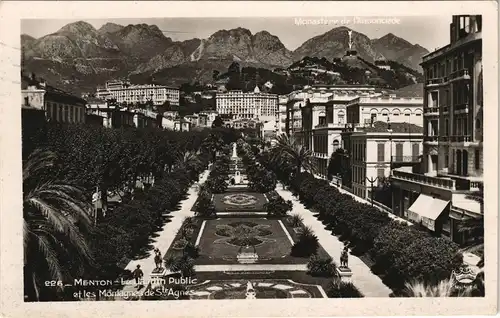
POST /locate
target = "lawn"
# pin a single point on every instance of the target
(224, 238)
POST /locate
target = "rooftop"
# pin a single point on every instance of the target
(414, 90)
(380, 126)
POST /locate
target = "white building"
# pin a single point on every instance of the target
(375, 149)
(206, 118)
(281, 115)
(366, 110)
(58, 105)
(254, 105)
(124, 92)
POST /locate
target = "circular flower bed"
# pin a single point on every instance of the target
(240, 199)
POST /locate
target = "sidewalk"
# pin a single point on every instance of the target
(367, 282)
(169, 230)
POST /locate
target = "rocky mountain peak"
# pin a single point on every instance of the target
(79, 27)
(110, 28)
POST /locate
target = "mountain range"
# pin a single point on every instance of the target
(79, 57)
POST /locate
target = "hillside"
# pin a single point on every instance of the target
(78, 57)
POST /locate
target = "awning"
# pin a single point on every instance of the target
(426, 210)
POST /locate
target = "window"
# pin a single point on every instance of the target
(415, 150)
(477, 159)
(26, 101)
(381, 152)
(434, 99)
(399, 152)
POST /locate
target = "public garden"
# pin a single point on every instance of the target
(211, 215)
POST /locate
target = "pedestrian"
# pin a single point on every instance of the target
(138, 274)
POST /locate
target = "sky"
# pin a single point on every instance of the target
(430, 32)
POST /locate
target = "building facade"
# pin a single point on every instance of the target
(439, 196)
(366, 110)
(281, 115)
(322, 114)
(124, 92)
(59, 106)
(254, 105)
(374, 149)
(206, 118)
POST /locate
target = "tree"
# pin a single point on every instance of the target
(277, 206)
(335, 165)
(288, 149)
(182, 264)
(217, 122)
(215, 75)
(339, 289)
(55, 220)
(322, 267)
(307, 243)
(444, 288)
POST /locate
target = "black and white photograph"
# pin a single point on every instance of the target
(295, 158)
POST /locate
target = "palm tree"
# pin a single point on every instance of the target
(55, 216)
(288, 149)
(444, 288)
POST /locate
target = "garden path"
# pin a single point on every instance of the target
(169, 230)
(367, 282)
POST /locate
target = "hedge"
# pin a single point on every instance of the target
(400, 252)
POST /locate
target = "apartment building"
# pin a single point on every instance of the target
(57, 104)
(363, 111)
(124, 92)
(280, 122)
(439, 196)
(252, 105)
(373, 149)
(322, 113)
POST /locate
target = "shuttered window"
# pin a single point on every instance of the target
(380, 152)
(415, 151)
(399, 152)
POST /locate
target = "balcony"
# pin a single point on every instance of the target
(431, 138)
(408, 159)
(461, 138)
(461, 107)
(431, 111)
(330, 125)
(320, 155)
(437, 81)
(427, 180)
(462, 74)
(445, 109)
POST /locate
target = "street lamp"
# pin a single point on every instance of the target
(372, 181)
